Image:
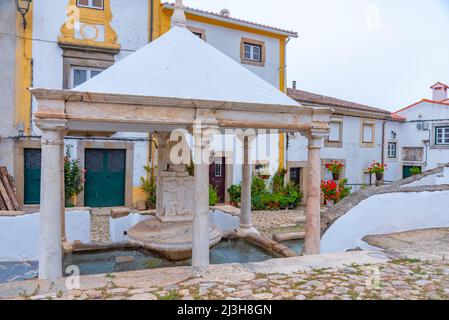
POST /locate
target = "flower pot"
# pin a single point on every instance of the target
(149, 205)
(336, 176)
(379, 179)
(330, 203)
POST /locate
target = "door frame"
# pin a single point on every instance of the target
(410, 165)
(229, 169)
(19, 166)
(129, 165)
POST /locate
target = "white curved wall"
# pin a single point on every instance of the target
(19, 236)
(387, 213)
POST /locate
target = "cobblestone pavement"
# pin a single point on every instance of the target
(399, 279)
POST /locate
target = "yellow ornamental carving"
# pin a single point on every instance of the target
(89, 27)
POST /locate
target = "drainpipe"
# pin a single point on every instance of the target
(151, 20)
(384, 125)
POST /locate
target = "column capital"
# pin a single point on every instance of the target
(250, 134)
(316, 135)
(52, 124)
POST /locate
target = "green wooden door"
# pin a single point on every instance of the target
(32, 176)
(406, 171)
(105, 178)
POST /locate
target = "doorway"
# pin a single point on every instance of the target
(217, 177)
(105, 177)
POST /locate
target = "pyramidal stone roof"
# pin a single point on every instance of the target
(181, 65)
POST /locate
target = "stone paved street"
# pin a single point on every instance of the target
(397, 279)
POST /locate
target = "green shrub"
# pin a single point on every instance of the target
(415, 171)
(264, 199)
(258, 185)
(293, 194)
(73, 181)
(278, 181)
(213, 195)
(148, 185)
(344, 190)
(235, 193)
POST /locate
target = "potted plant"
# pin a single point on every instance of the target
(73, 178)
(415, 171)
(378, 169)
(148, 185)
(336, 168)
(330, 191)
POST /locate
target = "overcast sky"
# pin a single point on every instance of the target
(384, 53)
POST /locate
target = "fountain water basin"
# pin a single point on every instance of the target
(172, 240)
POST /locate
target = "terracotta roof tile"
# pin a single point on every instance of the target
(313, 98)
(218, 15)
(444, 103)
(396, 117)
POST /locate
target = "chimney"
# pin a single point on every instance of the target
(294, 85)
(225, 13)
(439, 91)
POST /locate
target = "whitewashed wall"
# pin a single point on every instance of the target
(357, 158)
(410, 136)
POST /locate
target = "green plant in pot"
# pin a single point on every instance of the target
(73, 178)
(378, 169)
(336, 168)
(415, 171)
(148, 185)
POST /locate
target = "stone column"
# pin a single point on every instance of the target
(63, 227)
(52, 170)
(162, 161)
(200, 245)
(246, 221)
(313, 200)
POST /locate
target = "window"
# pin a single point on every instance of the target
(81, 75)
(200, 33)
(253, 52)
(442, 135)
(295, 176)
(218, 169)
(94, 4)
(392, 150)
(368, 136)
(335, 128)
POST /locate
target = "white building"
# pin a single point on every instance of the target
(356, 139)
(420, 135)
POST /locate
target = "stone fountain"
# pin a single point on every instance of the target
(170, 232)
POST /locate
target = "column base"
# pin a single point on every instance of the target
(244, 231)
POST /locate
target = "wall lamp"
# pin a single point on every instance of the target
(23, 6)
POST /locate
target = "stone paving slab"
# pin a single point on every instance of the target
(425, 244)
(225, 274)
(396, 279)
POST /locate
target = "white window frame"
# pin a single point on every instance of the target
(90, 5)
(364, 138)
(338, 124)
(88, 74)
(390, 153)
(443, 140)
(251, 52)
(218, 165)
